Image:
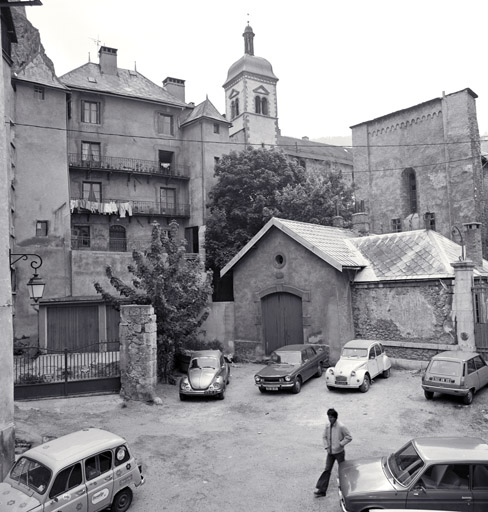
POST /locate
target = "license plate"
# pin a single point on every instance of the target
(271, 388)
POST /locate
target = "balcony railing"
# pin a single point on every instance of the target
(83, 243)
(128, 165)
(123, 207)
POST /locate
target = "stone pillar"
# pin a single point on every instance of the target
(138, 353)
(462, 304)
(7, 432)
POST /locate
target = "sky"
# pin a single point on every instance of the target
(339, 63)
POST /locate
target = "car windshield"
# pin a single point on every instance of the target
(354, 352)
(31, 473)
(405, 464)
(204, 362)
(442, 367)
(286, 357)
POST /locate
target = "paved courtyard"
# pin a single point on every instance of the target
(253, 451)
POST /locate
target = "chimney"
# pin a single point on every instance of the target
(360, 223)
(472, 232)
(175, 86)
(305, 138)
(108, 60)
(338, 221)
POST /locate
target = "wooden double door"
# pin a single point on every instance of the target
(282, 320)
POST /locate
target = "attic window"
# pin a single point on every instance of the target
(279, 260)
(216, 128)
(132, 73)
(92, 79)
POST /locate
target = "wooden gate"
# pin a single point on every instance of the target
(282, 320)
(41, 373)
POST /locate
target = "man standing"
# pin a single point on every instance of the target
(336, 436)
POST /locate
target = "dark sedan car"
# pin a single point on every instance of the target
(208, 375)
(290, 366)
(432, 473)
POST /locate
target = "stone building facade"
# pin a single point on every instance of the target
(421, 167)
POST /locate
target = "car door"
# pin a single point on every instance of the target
(442, 487)
(68, 491)
(472, 379)
(99, 481)
(125, 469)
(480, 487)
(308, 358)
(372, 362)
(379, 358)
(482, 370)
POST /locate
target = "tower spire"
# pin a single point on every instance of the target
(248, 40)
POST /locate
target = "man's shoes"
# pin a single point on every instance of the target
(319, 494)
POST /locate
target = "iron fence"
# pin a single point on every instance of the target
(39, 365)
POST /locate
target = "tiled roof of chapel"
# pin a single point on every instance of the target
(409, 255)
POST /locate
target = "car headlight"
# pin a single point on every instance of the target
(287, 378)
(257, 378)
(184, 383)
(216, 384)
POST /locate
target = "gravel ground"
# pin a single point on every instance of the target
(253, 451)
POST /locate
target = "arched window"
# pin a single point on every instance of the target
(117, 239)
(411, 190)
(264, 107)
(257, 105)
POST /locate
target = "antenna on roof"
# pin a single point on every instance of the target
(89, 58)
(97, 41)
(135, 65)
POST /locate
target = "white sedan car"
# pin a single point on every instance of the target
(361, 361)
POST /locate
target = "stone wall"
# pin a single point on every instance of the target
(138, 353)
(417, 312)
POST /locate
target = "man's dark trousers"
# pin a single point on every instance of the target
(323, 481)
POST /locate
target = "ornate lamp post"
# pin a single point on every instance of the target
(35, 284)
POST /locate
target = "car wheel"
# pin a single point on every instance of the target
(122, 501)
(428, 394)
(297, 387)
(183, 397)
(263, 390)
(386, 373)
(319, 370)
(468, 398)
(365, 385)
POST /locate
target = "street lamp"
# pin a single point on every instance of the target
(35, 284)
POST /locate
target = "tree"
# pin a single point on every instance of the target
(244, 199)
(178, 288)
(318, 199)
(257, 184)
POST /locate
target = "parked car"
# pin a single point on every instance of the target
(91, 469)
(290, 366)
(360, 362)
(432, 473)
(457, 373)
(208, 375)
